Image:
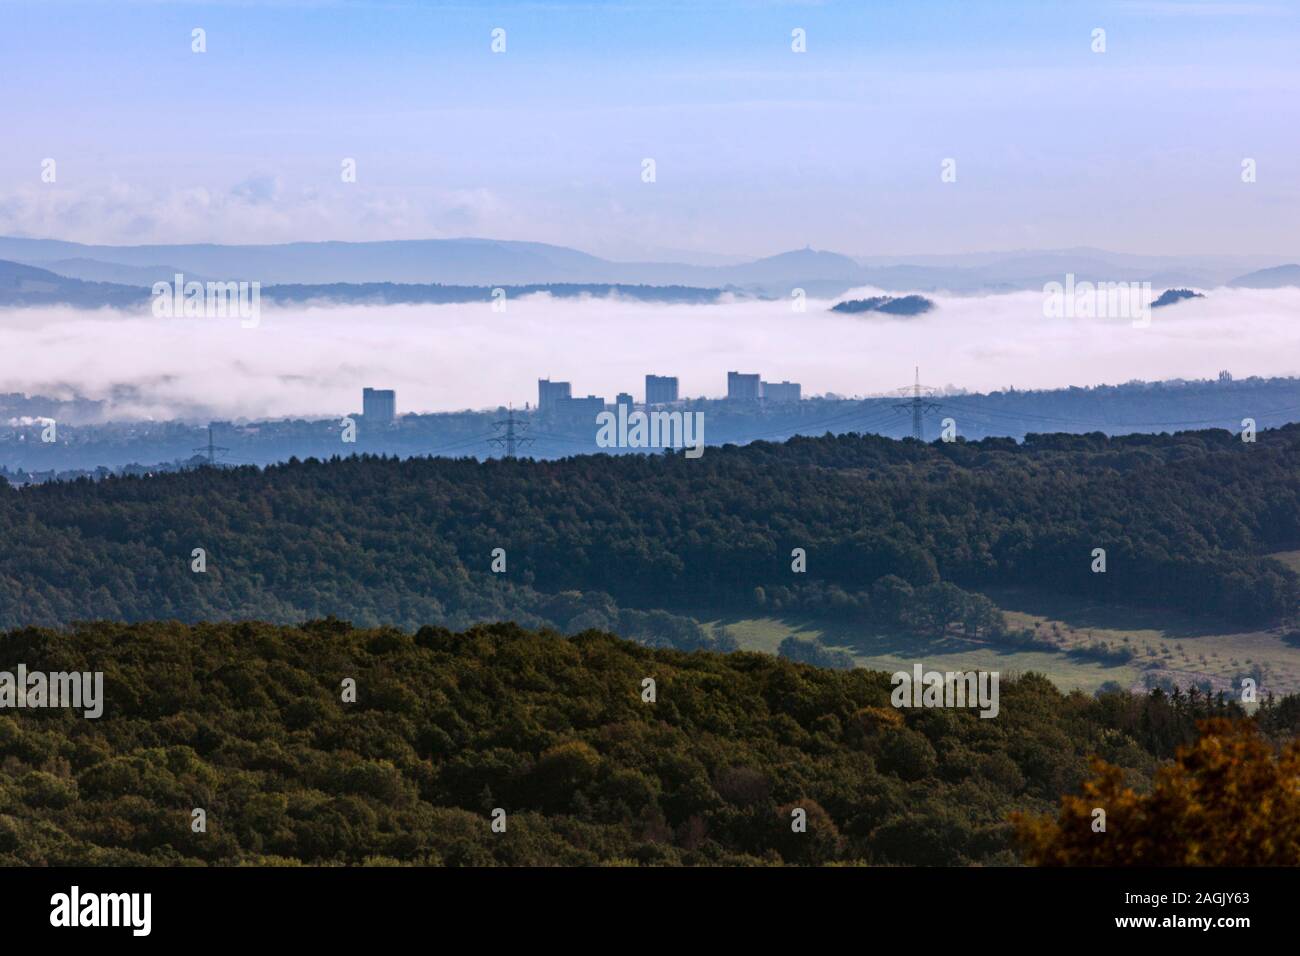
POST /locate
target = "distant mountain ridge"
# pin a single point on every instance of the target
(493, 262)
(418, 261)
(92, 270)
(1275, 278)
(22, 285)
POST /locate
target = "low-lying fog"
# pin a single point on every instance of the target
(313, 361)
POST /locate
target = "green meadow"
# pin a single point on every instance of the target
(1166, 644)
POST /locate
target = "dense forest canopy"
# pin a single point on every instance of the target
(889, 529)
(248, 723)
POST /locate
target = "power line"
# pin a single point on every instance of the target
(917, 406)
(211, 449)
(510, 440)
(869, 418)
(476, 440)
(1029, 416)
(866, 413)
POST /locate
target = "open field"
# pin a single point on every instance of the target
(1166, 646)
(1290, 558)
(895, 652)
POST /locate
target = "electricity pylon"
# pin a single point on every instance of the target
(211, 449)
(918, 405)
(510, 440)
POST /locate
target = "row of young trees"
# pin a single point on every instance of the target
(891, 603)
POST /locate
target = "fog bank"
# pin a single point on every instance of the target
(314, 361)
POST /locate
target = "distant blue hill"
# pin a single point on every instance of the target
(1170, 296)
(22, 285)
(392, 293)
(27, 285)
(493, 262)
(1274, 278)
(475, 262)
(903, 305)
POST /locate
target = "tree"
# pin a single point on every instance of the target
(1230, 799)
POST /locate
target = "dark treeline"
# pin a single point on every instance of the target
(389, 293)
(248, 722)
(893, 531)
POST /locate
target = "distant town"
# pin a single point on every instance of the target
(44, 439)
(556, 399)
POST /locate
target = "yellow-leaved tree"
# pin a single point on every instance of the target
(1231, 799)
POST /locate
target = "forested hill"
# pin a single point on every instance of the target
(248, 722)
(887, 527)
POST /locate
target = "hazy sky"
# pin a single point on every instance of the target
(758, 149)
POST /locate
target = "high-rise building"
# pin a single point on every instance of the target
(660, 389)
(379, 405)
(624, 398)
(582, 410)
(744, 388)
(782, 391)
(549, 393)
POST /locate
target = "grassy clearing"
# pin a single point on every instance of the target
(1185, 649)
(1290, 558)
(1169, 645)
(900, 652)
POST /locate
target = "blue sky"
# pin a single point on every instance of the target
(757, 149)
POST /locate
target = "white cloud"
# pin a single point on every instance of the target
(258, 209)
